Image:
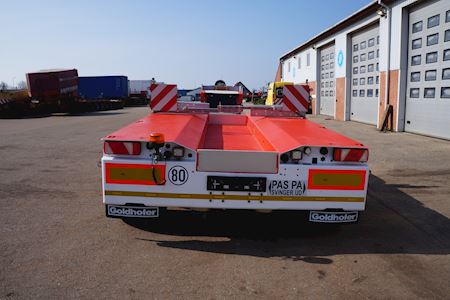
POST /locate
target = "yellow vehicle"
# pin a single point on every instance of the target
(275, 91)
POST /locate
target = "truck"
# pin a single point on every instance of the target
(194, 156)
(221, 94)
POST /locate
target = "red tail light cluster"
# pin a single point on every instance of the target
(359, 155)
(122, 148)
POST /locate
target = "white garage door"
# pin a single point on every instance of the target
(365, 76)
(327, 83)
(428, 83)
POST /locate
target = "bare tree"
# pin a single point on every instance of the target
(22, 85)
(3, 86)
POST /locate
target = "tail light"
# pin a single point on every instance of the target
(122, 148)
(202, 96)
(359, 155)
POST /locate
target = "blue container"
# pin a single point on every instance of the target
(103, 87)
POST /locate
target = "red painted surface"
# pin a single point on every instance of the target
(359, 187)
(257, 134)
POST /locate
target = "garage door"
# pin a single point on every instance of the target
(327, 92)
(428, 83)
(365, 76)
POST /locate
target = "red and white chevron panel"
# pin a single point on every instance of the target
(122, 148)
(163, 97)
(361, 155)
(296, 98)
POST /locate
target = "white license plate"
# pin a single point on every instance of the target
(333, 217)
(126, 211)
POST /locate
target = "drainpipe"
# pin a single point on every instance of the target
(388, 15)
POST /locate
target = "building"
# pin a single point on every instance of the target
(387, 54)
(245, 91)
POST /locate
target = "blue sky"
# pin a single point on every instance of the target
(184, 42)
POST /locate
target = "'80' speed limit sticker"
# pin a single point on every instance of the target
(178, 175)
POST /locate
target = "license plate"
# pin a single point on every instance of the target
(126, 211)
(236, 184)
(333, 217)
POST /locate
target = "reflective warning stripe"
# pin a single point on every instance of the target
(361, 155)
(296, 98)
(319, 179)
(163, 97)
(134, 174)
(232, 197)
(124, 148)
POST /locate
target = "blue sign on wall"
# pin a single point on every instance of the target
(340, 58)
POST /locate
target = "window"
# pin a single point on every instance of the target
(371, 55)
(322, 67)
(377, 80)
(327, 66)
(363, 57)
(307, 59)
(362, 69)
(362, 81)
(376, 92)
(322, 84)
(429, 92)
(378, 52)
(355, 70)
(445, 92)
(417, 43)
(447, 36)
(355, 47)
(355, 93)
(432, 39)
(415, 76)
(446, 54)
(361, 93)
(369, 93)
(321, 93)
(355, 81)
(331, 65)
(414, 93)
(415, 60)
(331, 93)
(326, 93)
(433, 21)
(446, 73)
(326, 84)
(327, 75)
(323, 76)
(378, 39)
(331, 55)
(447, 16)
(377, 66)
(430, 75)
(355, 58)
(432, 57)
(416, 27)
(331, 74)
(362, 45)
(327, 57)
(289, 66)
(323, 58)
(299, 62)
(331, 83)
(370, 68)
(371, 42)
(369, 80)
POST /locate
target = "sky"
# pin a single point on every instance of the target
(184, 42)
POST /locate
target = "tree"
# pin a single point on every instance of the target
(22, 85)
(3, 86)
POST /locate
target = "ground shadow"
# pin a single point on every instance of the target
(394, 222)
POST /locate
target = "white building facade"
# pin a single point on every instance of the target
(388, 55)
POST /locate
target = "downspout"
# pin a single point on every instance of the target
(388, 69)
